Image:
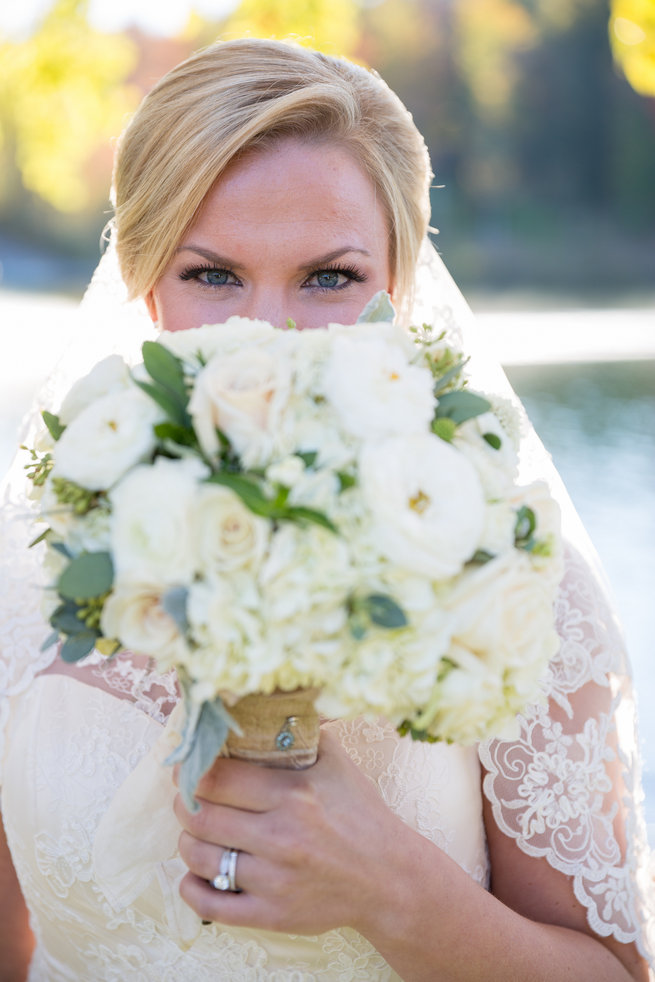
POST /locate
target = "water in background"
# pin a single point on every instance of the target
(598, 421)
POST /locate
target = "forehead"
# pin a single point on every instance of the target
(292, 189)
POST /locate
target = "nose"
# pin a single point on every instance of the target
(267, 304)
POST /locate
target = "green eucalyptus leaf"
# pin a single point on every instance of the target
(89, 575)
(174, 602)
(65, 620)
(384, 611)
(526, 523)
(378, 309)
(78, 646)
(461, 406)
(53, 423)
(50, 640)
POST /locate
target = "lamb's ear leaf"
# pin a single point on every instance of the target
(378, 309)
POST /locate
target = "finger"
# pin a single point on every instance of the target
(233, 909)
(221, 824)
(245, 785)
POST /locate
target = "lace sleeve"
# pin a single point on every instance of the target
(569, 788)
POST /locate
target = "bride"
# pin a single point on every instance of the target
(269, 181)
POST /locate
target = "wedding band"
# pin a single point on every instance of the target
(225, 879)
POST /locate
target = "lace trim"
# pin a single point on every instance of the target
(567, 790)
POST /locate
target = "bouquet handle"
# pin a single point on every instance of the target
(279, 729)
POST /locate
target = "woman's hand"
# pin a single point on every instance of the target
(313, 844)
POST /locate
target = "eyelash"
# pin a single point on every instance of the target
(351, 272)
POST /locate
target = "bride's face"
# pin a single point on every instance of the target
(293, 231)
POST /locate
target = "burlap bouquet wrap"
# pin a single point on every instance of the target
(280, 729)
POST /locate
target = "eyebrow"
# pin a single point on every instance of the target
(329, 257)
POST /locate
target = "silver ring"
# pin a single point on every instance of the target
(225, 879)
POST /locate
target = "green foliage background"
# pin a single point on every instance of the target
(543, 149)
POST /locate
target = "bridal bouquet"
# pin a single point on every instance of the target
(273, 512)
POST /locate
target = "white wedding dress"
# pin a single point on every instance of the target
(87, 802)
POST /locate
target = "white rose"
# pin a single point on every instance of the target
(200, 344)
(496, 467)
(503, 613)
(133, 614)
(228, 535)
(106, 439)
(108, 376)
(426, 501)
(153, 518)
(242, 394)
(499, 524)
(469, 704)
(375, 389)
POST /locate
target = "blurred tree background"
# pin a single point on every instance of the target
(539, 115)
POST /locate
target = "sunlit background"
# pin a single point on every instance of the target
(540, 119)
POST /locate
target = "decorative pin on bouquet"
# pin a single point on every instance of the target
(301, 522)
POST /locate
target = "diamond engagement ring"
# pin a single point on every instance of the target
(225, 879)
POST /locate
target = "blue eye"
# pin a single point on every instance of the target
(216, 277)
(328, 278)
(209, 276)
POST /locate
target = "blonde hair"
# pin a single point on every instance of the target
(238, 95)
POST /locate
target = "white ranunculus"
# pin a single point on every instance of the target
(503, 613)
(427, 503)
(153, 514)
(375, 390)
(242, 394)
(198, 345)
(499, 524)
(109, 375)
(228, 535)
(133, 614)
(106, 439)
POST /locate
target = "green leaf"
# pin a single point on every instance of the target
(89, 575)
(55, 427)
(346, 481)
(250, 493)
(182, 435)
(461, 406)
(41, 538)
(78, 646)
(481, 556)
(384, 611)
(172, 406)
(308, 457)
(297, 513)
(407, 727)
(526, 523)
(50, 640)
(378, 309)
(65, 620)
(444, 380)
(174, 602)
(493, 440)
(444, 428)
(202, 743)
(164, 368)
